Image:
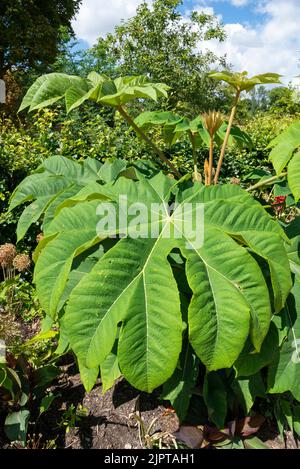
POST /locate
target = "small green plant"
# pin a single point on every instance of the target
(72, 417)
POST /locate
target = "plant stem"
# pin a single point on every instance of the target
(211, 159)
(223, 149)
(265, 182)
(197, 176)
(139, 131)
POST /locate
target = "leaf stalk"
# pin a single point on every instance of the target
(265, 182)
(139, 131)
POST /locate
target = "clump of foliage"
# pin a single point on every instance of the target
(25, 365)
(221, 318)
(23, 390)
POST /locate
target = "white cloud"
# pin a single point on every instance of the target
(271, 46)
(239, 3)
(98, 17)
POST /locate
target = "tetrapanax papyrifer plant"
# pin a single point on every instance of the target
(155, 307)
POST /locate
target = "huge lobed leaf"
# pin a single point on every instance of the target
(50, 88)
(242, 82)
(132, 284)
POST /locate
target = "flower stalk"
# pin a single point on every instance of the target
(225, 143)
(212, 122)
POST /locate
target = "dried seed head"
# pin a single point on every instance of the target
(212, 121)
(39, 237)
(235, 181)
(7, 254)
(21, 262)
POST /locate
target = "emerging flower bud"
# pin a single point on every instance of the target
(21, 262)
(7, 254)
(212, 121)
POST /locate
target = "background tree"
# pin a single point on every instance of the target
(281, 99)
(30, 31)
(161, 42)
(72, 58)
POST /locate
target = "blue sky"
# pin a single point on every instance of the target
(262, 35)
(244, 12)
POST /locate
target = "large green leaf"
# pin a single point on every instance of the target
(178, 389)
(133, 284)
(283, 147)
(240, 80)
(294, 176)
(50, 88)
(57, 181)
(284, 371)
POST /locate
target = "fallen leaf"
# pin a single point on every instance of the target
(190, 435)
(249, 425)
